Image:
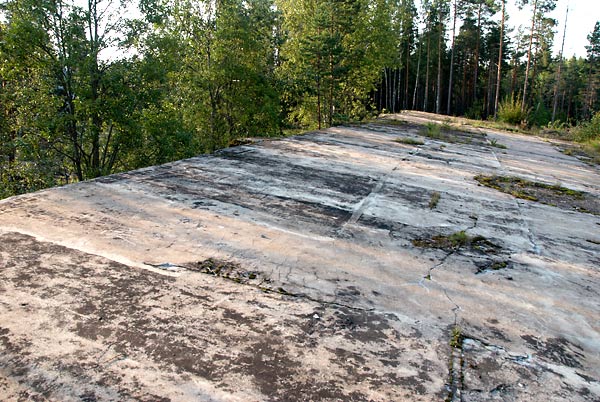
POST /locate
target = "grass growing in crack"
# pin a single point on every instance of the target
(225, 269)
(453, 241)
(391, 122)
(432, 130)
(455, 374)
(456, 241)
(409, 141)
(435, 198)
(525, 189)
(456, 338)
(446, 126)
(491, 266)
(494, 143)
(497, 265)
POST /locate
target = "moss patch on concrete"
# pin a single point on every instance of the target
(549, 194)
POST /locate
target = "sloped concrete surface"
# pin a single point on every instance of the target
(314, 289)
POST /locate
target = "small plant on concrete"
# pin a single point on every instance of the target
(409, 141)
(494, 143)
(511, 111)
(456, 338)
(458, 239)
(435, 198)
(432, 130)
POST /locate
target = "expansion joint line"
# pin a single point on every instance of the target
(530, 235)
(365, 202)
(455, 383)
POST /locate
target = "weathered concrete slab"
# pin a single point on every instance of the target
(318, 292)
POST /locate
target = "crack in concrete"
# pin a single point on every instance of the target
(282, 291)
(535, 248)
(455, 383)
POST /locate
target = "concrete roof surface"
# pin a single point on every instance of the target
(306, 269)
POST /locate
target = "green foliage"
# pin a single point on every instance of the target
(202, 79)
(494, 143)
(540, 116)
(201, 74)
(457, 338)
(511, 111)
(435, 199)
(525, 189)
(409, 141)
(432, 130)
(475, 111)
(588, 131)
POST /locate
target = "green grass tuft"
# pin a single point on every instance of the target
(409, 141)
(435, 198)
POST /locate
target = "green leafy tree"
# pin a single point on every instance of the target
(219, 60)
(591, 97)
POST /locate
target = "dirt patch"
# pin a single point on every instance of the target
(554, 195)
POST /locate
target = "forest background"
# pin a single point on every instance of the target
(87, 91)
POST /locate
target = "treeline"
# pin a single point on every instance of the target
(87, 91)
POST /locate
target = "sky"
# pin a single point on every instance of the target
(583, 15)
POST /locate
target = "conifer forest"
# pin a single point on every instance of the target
(89, 89)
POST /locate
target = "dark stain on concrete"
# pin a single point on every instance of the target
(126, 311)
(556, 350)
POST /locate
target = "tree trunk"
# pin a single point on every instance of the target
(463, 90)
(319, 117)
(587, 102)
(490, 86)
(407, 78)
(477, 44)
(386, 85)
(393, 89)
(501, 46)
(558, 73)
(414, 103)
(332, 74)
(448, 110)
(532, 32)
(426, 97)
(438, 101)
(514, 62)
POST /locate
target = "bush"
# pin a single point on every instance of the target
(432, 130)
(476, 111)
(540, 116)
(588, 131)
(511, 111)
